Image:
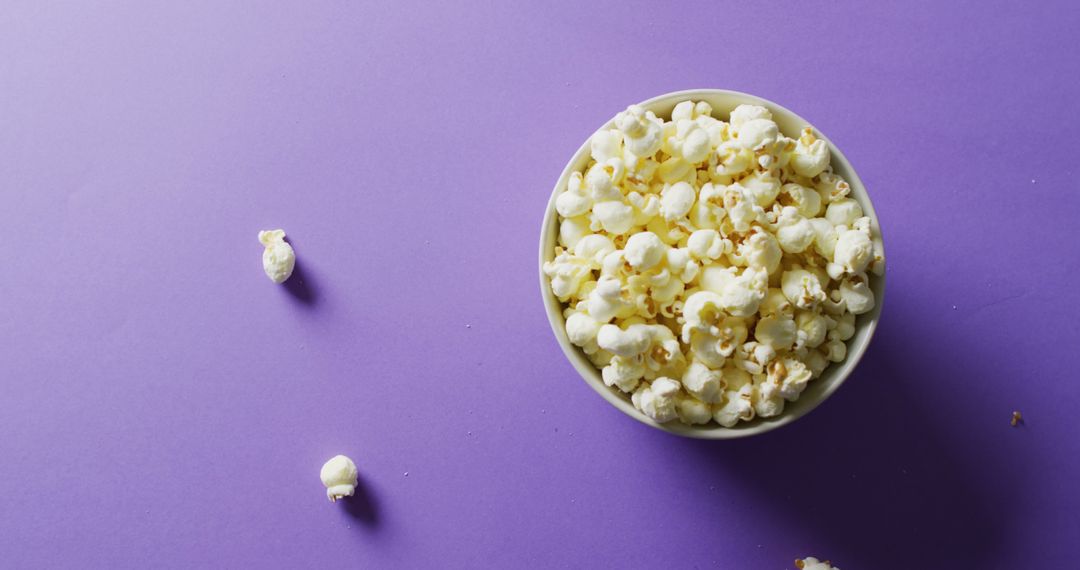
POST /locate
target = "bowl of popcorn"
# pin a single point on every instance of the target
(711, 264)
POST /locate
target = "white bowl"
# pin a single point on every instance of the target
(818, 390)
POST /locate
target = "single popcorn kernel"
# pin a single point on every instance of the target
(1016, 419)
(811, 563)
(278, 258)
(339, 475)
(710, 270)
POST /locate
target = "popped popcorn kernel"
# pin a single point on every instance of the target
(811, 563)
(339, 475)
(278, 258)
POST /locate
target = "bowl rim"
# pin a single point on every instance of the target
(866, 324)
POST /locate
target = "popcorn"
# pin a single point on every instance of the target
(766, 399)
(805, 200)
(743, 294)
(278, 258)
(835, 350)
(708, 245)
(794, 232)
(614, 216)
(811, 156)
(802, 288)
(811, 328)
(339, 475)
(657, 400)
(707, 348)
(733, 158)
(623, 373)
(593, 248)
(737, 407)
(762, 187)
(688, 110)
(574, 201)
(605, 302)
(854, 251)
(681, 264)
(602, 180)
(582, 330)
(691, 410)
(831, 187)
(825, 237)
(567, 272)
(757, 134)
(857, 296)
(777, 332)
(844, 328)
(676, 201)
(812, 563)
(791, 376)
(762, 251)
(632, 341)
(664, 354)
(843, 212)
(571, 230)
(816, 362)
(711, 269)
(688, 140)
(606, 145)
(742, 114)
(708, 212)
(741, 207)
(675, 169)
(641, 130)
(645, 207)
(644, 250)
(775, 303)
(704, 383)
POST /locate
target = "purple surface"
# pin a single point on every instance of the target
(163, 404)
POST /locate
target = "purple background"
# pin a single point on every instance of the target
(164, 404)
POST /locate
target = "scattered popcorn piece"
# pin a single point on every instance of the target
(278, 258)
(711, 269)
(1016, 420)
(339, 476)
(811, 563)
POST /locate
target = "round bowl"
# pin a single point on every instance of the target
(722, 101)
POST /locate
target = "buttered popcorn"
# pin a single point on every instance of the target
(711, 269)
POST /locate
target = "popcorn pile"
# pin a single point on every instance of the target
(710, 269)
